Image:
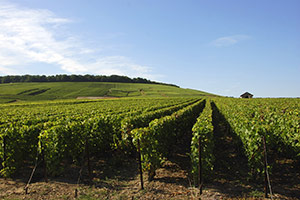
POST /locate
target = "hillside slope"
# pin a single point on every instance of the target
(11, 92)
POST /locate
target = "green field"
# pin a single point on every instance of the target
(11, 92)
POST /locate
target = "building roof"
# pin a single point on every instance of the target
(247, 94)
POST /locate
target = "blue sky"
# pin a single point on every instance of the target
(223, 47)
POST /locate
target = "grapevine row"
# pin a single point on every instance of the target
(254, 119)
(64, 137)
(202, 143)
(156, 140)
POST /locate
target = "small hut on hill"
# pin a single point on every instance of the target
(247, 95)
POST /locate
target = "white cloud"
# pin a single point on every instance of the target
(229, 40)
(31, 36)
(121, 65)
(5, 70)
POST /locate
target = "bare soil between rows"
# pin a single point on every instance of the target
(115, 179)
(104, 97)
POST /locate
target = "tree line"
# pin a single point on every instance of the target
(76, 78)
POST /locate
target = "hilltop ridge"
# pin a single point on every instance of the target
(76, 78)
(35, 91)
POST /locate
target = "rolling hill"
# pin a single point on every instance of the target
(11, 92)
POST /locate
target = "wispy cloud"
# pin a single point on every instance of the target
(32, 36)
(229, 40)
(5, 70)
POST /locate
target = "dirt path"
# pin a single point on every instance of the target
(231, 170)
(104, 97)
(170, 182)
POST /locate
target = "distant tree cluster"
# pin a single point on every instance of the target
(76, 78)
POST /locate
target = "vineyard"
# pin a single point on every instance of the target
(57, 136)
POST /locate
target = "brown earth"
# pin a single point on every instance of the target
(115, 179)
(106, 97)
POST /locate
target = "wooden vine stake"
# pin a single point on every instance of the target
(140, 164)
(44, 163)
(76, 193)
(267, 178)
(78, 180)
(88, 160)
(4, 151)
(32, 173)
(265, 168)
(200, 179)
